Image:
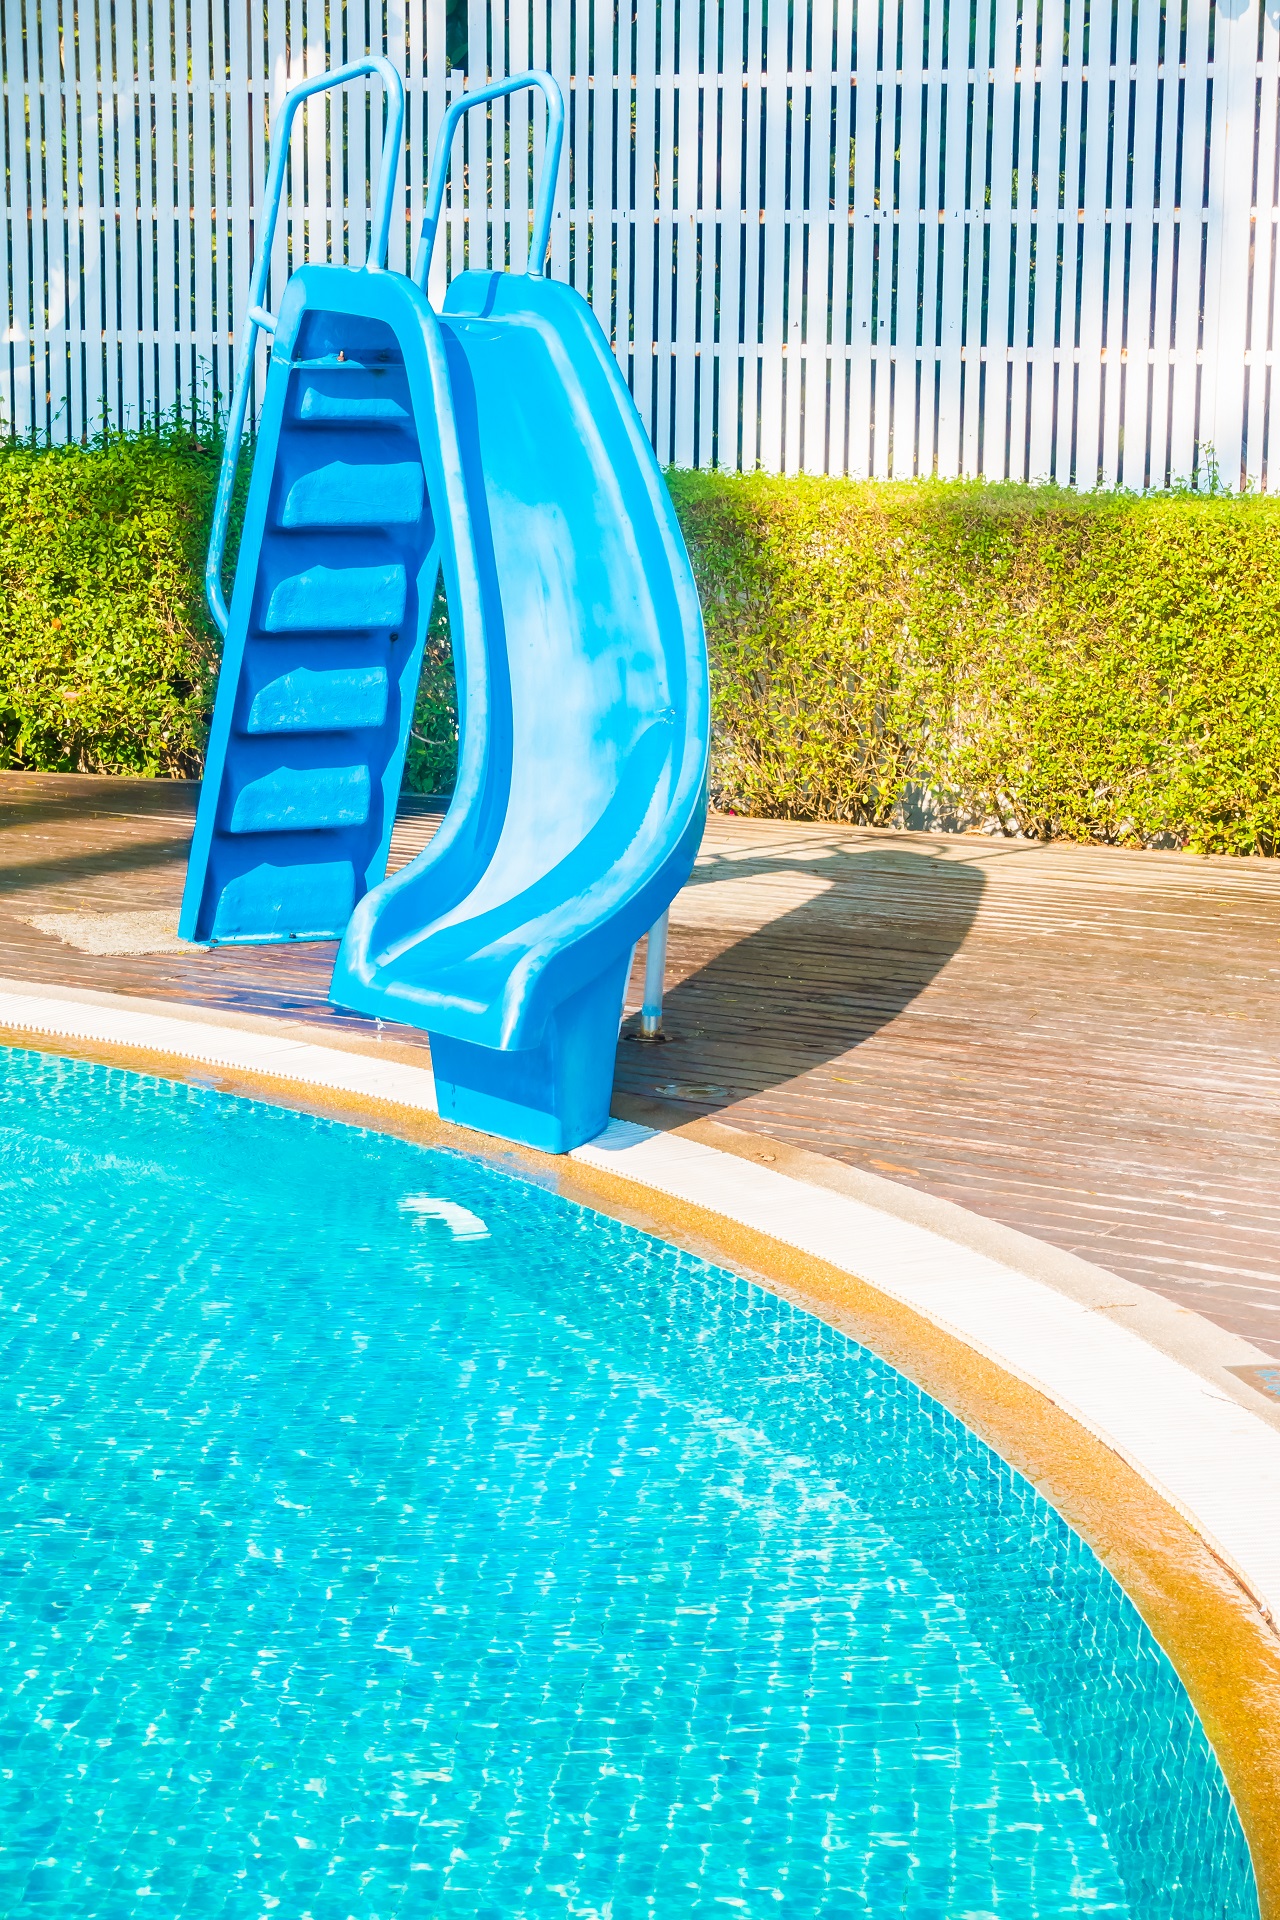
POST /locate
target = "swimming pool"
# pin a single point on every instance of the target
(382, 1534)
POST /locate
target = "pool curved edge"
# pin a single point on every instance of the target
(974, 1335)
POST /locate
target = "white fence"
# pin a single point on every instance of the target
(1013, 237)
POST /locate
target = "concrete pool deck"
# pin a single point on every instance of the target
(1131, 1373)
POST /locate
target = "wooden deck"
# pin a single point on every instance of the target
(1080, 1043)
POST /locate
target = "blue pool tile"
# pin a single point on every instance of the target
(349, 1569)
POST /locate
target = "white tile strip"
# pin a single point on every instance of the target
(1207, 1455)
(278, 1055)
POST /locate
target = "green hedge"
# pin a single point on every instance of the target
(1087, 667)
(1097, 667)
(107, 658)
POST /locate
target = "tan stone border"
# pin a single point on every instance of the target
(1225, 1652)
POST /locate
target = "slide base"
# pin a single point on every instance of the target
(554, 1096)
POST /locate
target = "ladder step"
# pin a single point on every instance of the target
(300, 799)
(353, 399)
(338, 600)
(340, 495)
(320, 700)
(310, 901)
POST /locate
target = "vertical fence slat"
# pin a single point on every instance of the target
(1165, 250)
(1263, 290)
(518, 111)
(839, 198)
(1000, 237)
(949, 322)
(1229, 234)
(929, 267)
(680, 365)
(730, 236)
(42, 409)
(164, 242)
(706, 103)
(20, 316)
(1188, 291)
(595, 164)
(863, 241)
(1091, 289)
(55, 113)
(73, 298)
(356, 115)
(818, 129)
(210, 353)
(148, 56)
(12, 191)
(790, 97)
(108, 212)
(883, 287)
(1021, 339)
(203, 258)
(1049, 230)
(753, 239)
(472, 142)
(243, 122)
(666, 229)
(906, 156)
(1136, 258)
(271, 89)
(402, 24)
(132, 57)
(1119, 145)
(97, 407)
(626, 191)
(324, 240)
(977, 60)
(568, 57)
(643, 213)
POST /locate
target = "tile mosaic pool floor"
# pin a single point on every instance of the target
(451, 1549)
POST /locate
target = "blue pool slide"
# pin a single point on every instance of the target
(494, 443)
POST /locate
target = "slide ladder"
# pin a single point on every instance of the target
(346, 527)
(581, 793)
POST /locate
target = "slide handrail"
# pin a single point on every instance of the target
(257, 316)
(546, 186)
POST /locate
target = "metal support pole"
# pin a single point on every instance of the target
(655, 968)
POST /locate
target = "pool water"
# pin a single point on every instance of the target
(381, 1534)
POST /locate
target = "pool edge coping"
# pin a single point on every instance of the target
(1173, 1430)
(1180, 1332)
